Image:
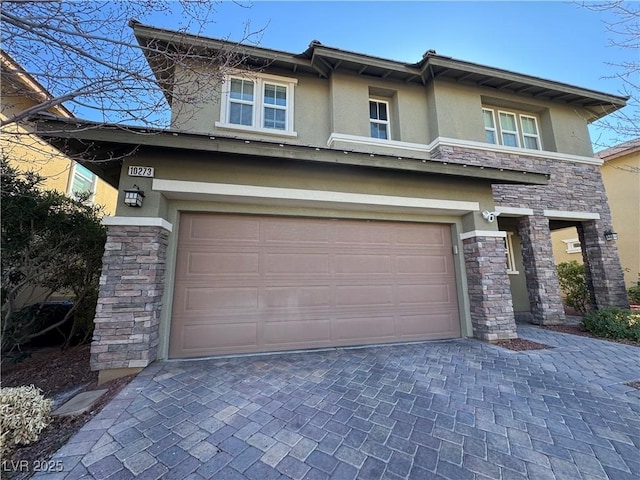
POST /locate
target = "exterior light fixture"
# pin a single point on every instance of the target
(133, 196)
(610, 235)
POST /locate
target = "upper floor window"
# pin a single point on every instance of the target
(82, 183)
(261, 103)
(511, 129)
(379, 119)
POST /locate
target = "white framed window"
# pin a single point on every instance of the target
(511, 259)
(83, 183)
(490, 132)
(259, 103)
(511, 129)
(572, 245)
(379, 119)
(530, 136)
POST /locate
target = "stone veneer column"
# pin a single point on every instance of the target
(602, 267)
(131, 287)
(540, 271)
(489, 289)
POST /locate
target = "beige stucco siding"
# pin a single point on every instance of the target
(622, 183)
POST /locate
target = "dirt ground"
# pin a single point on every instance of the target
(60, 375)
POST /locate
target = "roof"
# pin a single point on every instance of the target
(105, 146)
(620, 150)
(322, 60)
(13, 72)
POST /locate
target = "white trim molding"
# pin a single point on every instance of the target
(514, 211)
(568, 215)
(483, 233)
(137, 222)
(185, 190)
(378, 142)
(454, 142)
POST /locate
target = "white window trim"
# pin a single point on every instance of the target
(94, 180)
(495, 128)
(512, 132)
(530, 135)
(511, 259)
(259, 81)
(519, 132)
(571, 245)
(381, 122)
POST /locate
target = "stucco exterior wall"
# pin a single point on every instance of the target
(27, 152)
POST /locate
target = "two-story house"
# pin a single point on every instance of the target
(330, 198)
(27, 152)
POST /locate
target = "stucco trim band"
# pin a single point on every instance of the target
(569, 215)
(482, 233)
(224, 191)
(137, 222)
(454, 142)
(514, 211)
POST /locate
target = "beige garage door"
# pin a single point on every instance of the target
(258, 283)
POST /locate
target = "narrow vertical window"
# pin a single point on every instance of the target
(241, 100)
(275, 107)
(82, 184)
(509, 129)
(489, 126)
(530, 134)
(379, 119)
(511, 259)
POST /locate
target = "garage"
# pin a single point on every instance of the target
(246, 283)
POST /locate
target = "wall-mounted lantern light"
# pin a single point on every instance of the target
(610, 235)
(133, 196)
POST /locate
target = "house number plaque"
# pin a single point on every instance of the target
(140, 171)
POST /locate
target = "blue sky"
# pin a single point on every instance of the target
(554, 40)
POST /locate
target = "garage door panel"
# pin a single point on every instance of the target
(432, 235)
(362, 235)
(205, 337)
(296, 263)
(204, 299)
(424, 264)
(378, 328)
(364, 295)
(252, 284)
(297, 332)
(425, 294)
(285, 232)
(356, 264)
(299, 297)
(441, 325)
(201, 228)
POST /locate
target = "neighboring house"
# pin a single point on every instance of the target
(332, 198)
(621, 175)
(27, 152)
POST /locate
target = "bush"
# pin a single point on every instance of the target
(24, 413)
(613, 322)
(573, 283)
(634, 293)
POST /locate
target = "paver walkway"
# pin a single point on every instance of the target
(458, 409)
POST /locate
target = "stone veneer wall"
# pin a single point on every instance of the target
(573, 186)
(492, 314)
(540, 271)
(131, 287)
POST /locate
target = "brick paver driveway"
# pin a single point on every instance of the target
(458, 409)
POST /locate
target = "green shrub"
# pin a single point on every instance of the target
(573, 284)
(634, 293)
(613, 322)
(24, 413)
